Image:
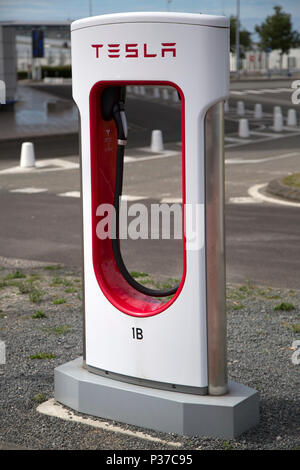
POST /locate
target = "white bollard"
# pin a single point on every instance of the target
(165, 94)
(142, 91)
(244, 128)
(226, 107)
(175, 98)
(156, 93)
(277, 110)
(292, 118)
(136, 90)
(128, 89)
(240, 110)
(277, 122)
(27, 159)
(157, 141)
(258, 113)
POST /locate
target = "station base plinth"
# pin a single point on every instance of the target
(225, 416)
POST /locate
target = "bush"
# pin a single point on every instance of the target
(22, 75)
(56, 71)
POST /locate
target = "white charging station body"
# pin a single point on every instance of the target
(191, 52)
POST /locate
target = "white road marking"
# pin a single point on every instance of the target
(233, 139)
(129, 159)
(50, 164)
(243, 200)
(171, 200)
(70, 194)
(265, 139)
(130, 198)
(260, 91)
(254, 192)
(235, 92)
(255, 92)
(57, 162)
(28, 190)
(156, 156)
(267, 134)
(236, 161)
(53, 408)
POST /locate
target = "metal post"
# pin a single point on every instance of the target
(215, 251)
(237, 39)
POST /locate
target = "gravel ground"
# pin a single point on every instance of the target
(260, 355)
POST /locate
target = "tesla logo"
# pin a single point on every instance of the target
(134, 50)
(107, 132)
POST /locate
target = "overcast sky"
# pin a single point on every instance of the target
(252, 11)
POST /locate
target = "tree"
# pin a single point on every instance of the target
(276, 33)
(245, 38)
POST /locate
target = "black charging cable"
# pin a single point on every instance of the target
(118, 115)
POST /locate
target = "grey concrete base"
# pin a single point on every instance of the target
(172, 412)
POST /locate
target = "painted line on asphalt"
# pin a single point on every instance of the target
(243, 200)
(53, 408)
(130, 198)
(70, 194)
(254, 192)
(171, 200)
(266, 139)
(28, 190)
(261, 91)
(50, 164)
(236, 161)
(156, 156)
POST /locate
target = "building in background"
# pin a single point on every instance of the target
(57, 48)
(260, 62)
(16, 50)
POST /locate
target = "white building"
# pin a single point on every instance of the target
(259, 61)
(56, 52)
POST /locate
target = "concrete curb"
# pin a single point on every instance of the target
(277, 188)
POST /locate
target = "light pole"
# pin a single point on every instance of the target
(237, 39)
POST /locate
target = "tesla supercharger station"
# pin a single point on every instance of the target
(153, 363)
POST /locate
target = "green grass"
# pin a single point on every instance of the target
(227, 445)
(24, 287)
(284, 306)
(15, 275)
(3, 283)
(238, 306)
(137, 274)
(296, 328)
(70, 290)
(52, 267)
(62, 300)
(60, 281)
(39, 397)
(42, 355)
(58, 330)
(35, 295)
(292, 180)
(39, 314)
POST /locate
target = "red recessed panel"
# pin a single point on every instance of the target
(103, 141)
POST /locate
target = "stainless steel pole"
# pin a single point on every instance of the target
(215, 251)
